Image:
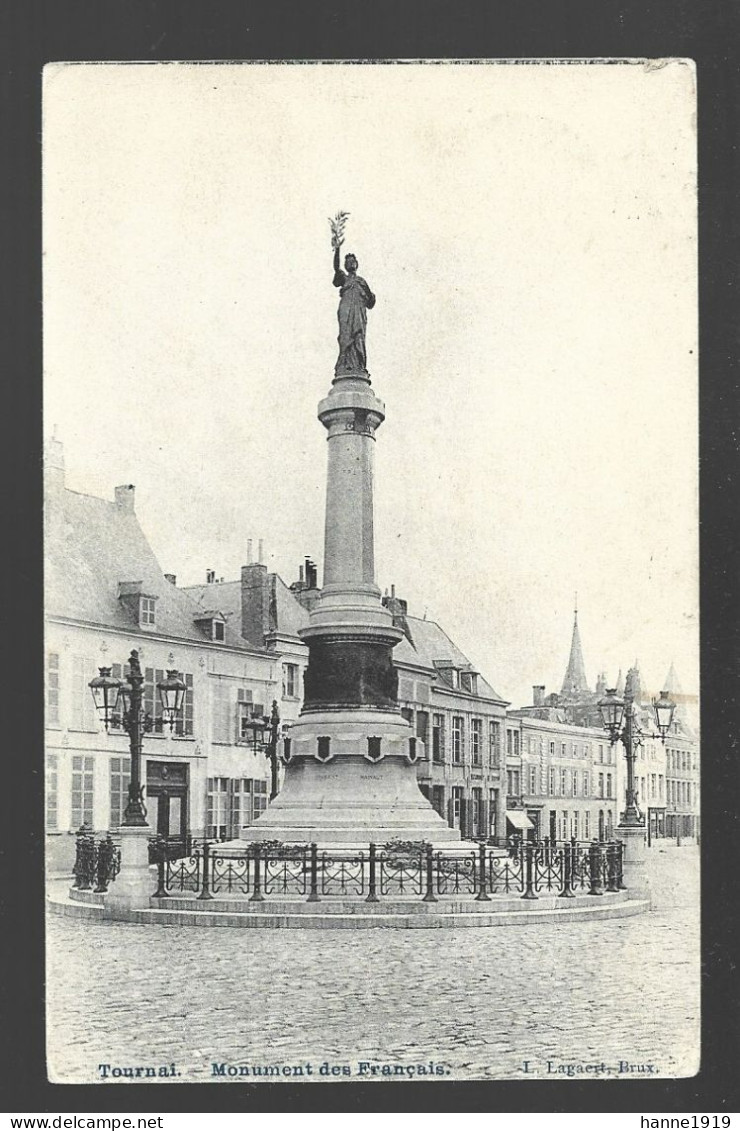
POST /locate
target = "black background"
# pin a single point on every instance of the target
(33, 32)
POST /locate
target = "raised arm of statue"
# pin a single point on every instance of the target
(339, 275)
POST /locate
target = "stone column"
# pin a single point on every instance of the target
(351, 773)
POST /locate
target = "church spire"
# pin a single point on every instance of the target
(575, 681)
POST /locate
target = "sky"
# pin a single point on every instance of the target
(530, 234)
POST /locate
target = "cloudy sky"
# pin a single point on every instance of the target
(529, 232)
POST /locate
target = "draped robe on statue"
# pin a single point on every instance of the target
(356, 299)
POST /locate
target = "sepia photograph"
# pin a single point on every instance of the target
(372, 735)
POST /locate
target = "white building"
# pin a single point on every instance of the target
(105, 595)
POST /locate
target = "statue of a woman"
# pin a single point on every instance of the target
(356, 299)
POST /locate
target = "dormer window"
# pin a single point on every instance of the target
(213, 624)
(448, 672)
(469, 682)
(140, 605)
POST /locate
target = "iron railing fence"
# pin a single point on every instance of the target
(273, 870)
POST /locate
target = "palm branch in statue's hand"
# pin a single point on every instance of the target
(337, 228)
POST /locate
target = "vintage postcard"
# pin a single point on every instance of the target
(371, 571)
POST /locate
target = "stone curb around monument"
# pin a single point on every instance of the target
(322, 920)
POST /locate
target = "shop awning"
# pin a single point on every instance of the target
(518, 819)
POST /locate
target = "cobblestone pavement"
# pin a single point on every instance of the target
(478, 1002)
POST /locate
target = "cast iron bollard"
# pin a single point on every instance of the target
(257, 896)
(569, 859)
(160, 852)
(372, 895)
(84, 866)
(205, 892)
(611, 867)
(482, 878)
(429, 896)
(313, 896)
(595, 869)
(528, 861)
(106, 863)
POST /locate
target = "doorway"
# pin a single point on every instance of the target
(167, 804)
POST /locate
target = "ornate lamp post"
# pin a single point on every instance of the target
(113, 699)
(620, 720)
(265, 731)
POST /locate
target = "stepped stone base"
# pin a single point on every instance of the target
(344, 915)
(350, 800)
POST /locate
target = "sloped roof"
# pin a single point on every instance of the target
(431, 643)
(227, 596)
(291, 614)
(91, 545)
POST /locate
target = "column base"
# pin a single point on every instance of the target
(633, 838)
(133, 885)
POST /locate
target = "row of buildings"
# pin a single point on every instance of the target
(545, 769)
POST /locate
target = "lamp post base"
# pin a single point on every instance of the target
(634, 860)
(133, 885)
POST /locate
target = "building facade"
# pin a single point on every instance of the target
(563, 777)
(568, 780)
(105, 595)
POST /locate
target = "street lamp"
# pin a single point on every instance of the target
(620, 720)
(265, 733)
(108, 693)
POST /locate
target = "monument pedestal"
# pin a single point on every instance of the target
(133, 885)
(350, 778)
(634, 860)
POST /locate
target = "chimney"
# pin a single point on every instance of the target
(125, 498)
(300, 575)
(538, 694)
(255, 604)
(171, 577)
(249, 551)
(210, 576)
(311, 575)
(260, 551)
(398, 608)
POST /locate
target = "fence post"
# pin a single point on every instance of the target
(161, 892)
(257, 896)
(206, 890)
(429, 896)
(372, 895)
(569, 856)
(482, 877)
(528, 861)
(313, 895)
(104, 864)
(595, 868)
